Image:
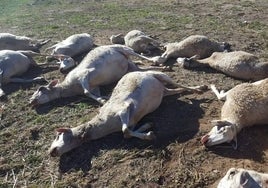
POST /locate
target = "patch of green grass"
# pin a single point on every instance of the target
(26, 134)
(257, 26)
(10, 8)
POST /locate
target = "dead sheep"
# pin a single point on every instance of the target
(68, 63)
(15, 63)
(137, 40)
(193, 45)
(237, 64)
(245, 105)
(135, 95)
(13, 42)
(103, 65)
(73, 45)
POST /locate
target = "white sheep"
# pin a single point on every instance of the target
(15, 63)
(193, 45)
(137, 40)
(245, 105)
(13, 42)
(73, 45)
(243, 178)
(67, 63)
(103, 65)
(135, 95)
(237, 64)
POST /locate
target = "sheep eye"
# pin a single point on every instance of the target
(232, 173)
(58, 135)
(221, 129)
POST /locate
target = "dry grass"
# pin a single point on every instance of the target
(176, 158)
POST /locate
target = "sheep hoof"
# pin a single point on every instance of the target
(102, 101)
(150, 136)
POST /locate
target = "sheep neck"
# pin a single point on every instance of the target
(200, 63)
(97, 128)
(68, 90)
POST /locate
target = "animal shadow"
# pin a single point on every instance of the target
(174, 120)
(205, 69)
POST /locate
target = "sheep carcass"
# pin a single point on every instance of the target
(12, 42)
(135, 95)
(193, 45)
(67, 63)
(238, 64)
(103, 65)
(73, 45)
(137, 40)
(245, 105)
(14, 63)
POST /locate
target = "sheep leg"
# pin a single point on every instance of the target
(96, 92)
(220, 95)
(1, 76)
(2, 93)
(200, 88)
(144, 127)
(168, 91)
(88, 92)
(166, 80)
(21, 80)
(42, 42)
(133, 67)
(125, 115)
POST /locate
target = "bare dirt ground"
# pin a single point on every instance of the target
(176, 158)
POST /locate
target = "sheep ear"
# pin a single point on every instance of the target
(62, 130)
(220, 123)
(244, 179)
(53, 83)
(119, 35)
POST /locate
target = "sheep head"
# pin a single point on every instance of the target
(185, 62)
(158, 60)
(44, 94)
(66, 140)
(66, 64)
(238, 177)
(222, 131)
(117, 39)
